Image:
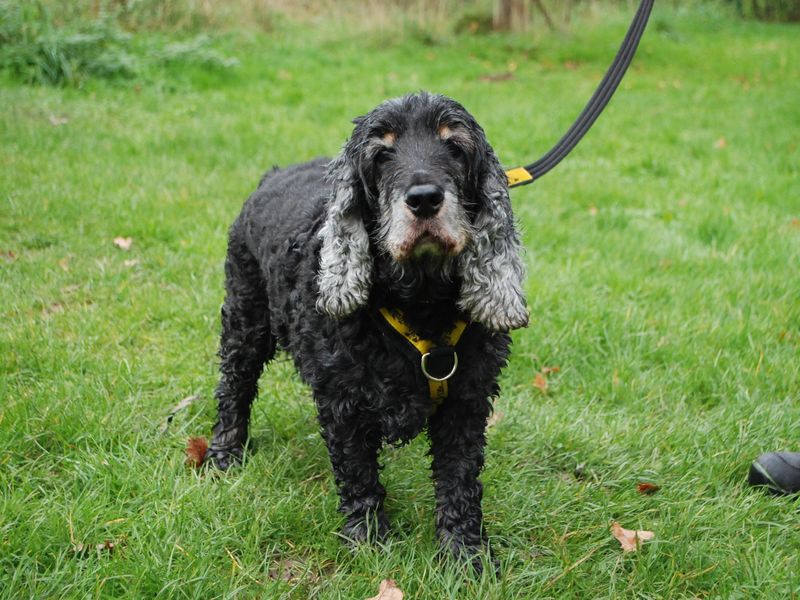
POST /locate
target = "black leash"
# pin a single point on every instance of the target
(525, 175)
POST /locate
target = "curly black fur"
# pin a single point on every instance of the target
(310, 260)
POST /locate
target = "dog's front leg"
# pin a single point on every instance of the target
(457, 433)
(353, 447)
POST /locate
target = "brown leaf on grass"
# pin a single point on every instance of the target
(647, 488)
(540, 379)
(56, 120)
(52, 309)
(123, 243)
(84, 550)
(195, 451)
(630, 540)
(8, 255)
(721, 143)
(388, 591)
(497, 77)
(494, 418)
(795, 224)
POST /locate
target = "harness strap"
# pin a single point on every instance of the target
(429, 350)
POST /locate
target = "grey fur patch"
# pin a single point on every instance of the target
(491, 265)
(345, 269)
(400, 230)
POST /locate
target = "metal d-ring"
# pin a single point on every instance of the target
(424, 366)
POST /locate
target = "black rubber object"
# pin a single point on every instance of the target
(778, 471)
(599, 99)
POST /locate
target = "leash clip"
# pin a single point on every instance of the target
(435, 354)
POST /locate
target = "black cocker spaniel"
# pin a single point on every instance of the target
(392, 276)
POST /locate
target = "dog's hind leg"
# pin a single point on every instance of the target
(246, 345)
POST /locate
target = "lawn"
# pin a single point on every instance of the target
(664, 285)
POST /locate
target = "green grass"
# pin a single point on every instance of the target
(664, 282)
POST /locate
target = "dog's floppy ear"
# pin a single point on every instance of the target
(345, 271)
(491, 266)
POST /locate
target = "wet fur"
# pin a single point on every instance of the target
(307, 267)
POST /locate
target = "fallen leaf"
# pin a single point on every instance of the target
(388, 591)
(8, 255)
(105, 547)
(795, 223)
(196, 451)
(494, 418)
(548, 370)
(540, 382)
(630, 540)
(496, 77)
(721, 143)
(185, 403)
(123, 243)
(52, 309)
(56, 120)
(647, 488)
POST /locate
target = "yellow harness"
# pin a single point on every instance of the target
(437, 386)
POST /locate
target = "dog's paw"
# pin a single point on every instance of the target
(478, 556)
(223, 458)
(365, 529)
(484, 561)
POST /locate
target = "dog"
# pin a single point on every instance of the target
(360, 266)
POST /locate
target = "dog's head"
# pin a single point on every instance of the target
(419, 184)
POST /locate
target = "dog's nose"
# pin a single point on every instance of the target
(424, 200)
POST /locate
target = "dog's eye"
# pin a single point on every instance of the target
(382, 155)
(456, 150)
